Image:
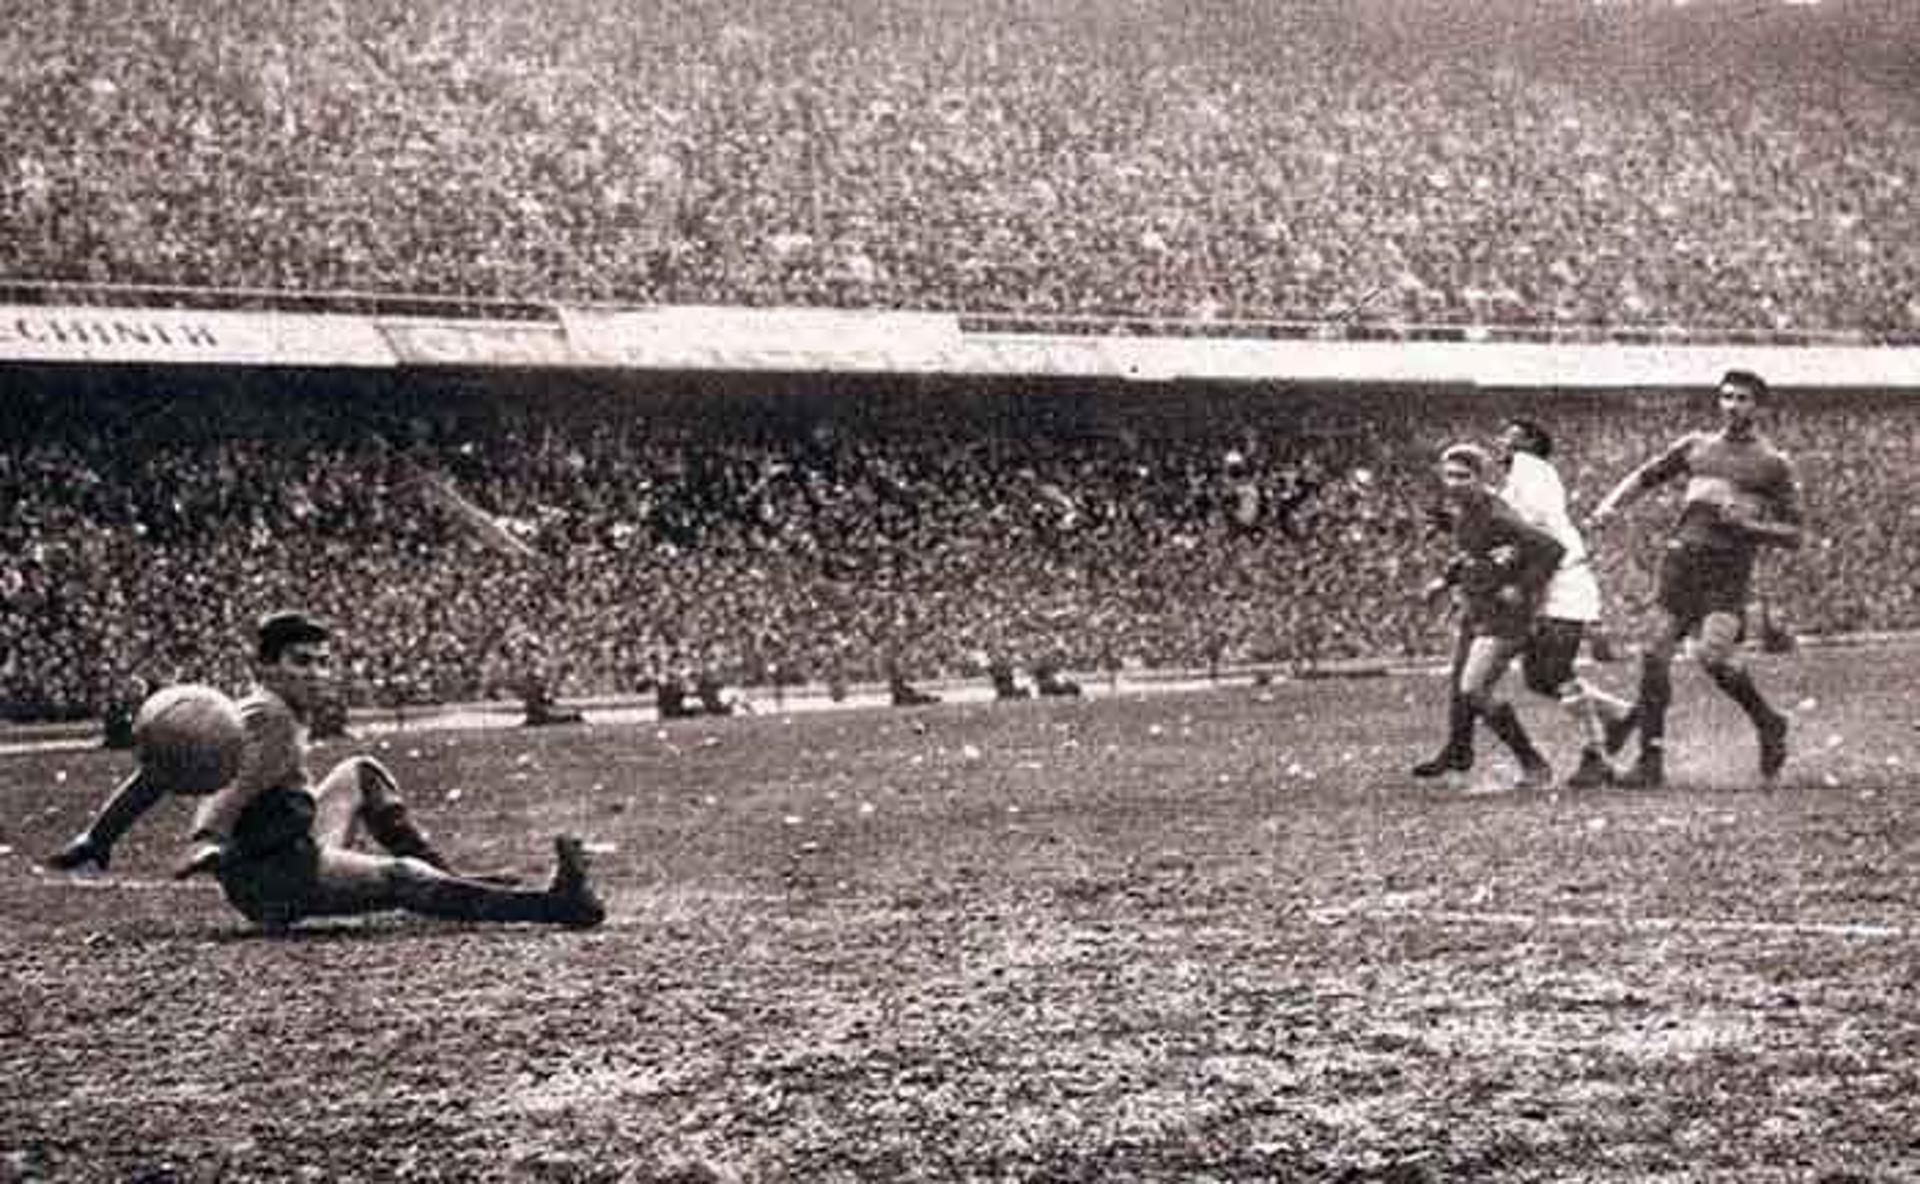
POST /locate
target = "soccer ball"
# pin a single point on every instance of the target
(189, 738)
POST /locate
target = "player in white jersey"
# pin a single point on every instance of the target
(1569, 606)
(283, 848)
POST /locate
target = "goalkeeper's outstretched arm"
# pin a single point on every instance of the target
(131, 799)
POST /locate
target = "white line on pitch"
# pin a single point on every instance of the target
(124, 883)
(1576, 921)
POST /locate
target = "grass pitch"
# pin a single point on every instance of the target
(1207, 936)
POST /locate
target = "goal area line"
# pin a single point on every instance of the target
(1864, 930)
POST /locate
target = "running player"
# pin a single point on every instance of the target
(1501, 569)
(1741, 494)
(1568, 607)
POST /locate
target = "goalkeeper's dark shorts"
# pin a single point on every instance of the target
(1697, 582)
(273, 864)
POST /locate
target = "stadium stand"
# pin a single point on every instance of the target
(1383, 167)
(766, 535)
(1714, 165)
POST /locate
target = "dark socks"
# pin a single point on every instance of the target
(1459, 725)
(389, 824)
(1738, 684)
(1656, 694)
(1503, 722)
(467, 900)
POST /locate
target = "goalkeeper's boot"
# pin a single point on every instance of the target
(573, 900)
(1594, 771)
(1447, 760)
(1773, 747)
(1649, 772)
(81, 850)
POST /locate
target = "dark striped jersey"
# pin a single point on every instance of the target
(1722, 471)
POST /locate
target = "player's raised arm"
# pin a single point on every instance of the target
(187, 739)
(133, 797)
(1641, 481)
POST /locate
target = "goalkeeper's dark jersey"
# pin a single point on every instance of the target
(271, 798)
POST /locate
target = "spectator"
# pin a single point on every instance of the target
(1557, 164)
(917, 544)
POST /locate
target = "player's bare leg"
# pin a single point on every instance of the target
(1584, 704)
(1487, 659)
(1549, 666)
(352, 882)
(1618, 718)
(133, 797)
(362, 794)
(1719, 657)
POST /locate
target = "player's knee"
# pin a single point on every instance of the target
(377, 783)
(369, 768)
(1480, 698)
(404, 872)
(1719, 641)
(1720, 668)
(1713, 658)
(1716, 651)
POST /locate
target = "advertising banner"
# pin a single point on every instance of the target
(1498, 364)
(831, 341)
(793, 340)
(77, 333)
(1576, 366)
(477, 343)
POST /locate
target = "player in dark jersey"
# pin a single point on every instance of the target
(1569, 607)
(1741, 494)
(1500, 570)
(283, 848)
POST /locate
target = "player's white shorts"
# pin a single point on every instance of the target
(1573, 594)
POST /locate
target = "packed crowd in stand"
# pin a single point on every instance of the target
(867, 533)
(1439, 161)
(1345, 162)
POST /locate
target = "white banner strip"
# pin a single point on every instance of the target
(775, 339)
(478, 343)
(78, 333)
